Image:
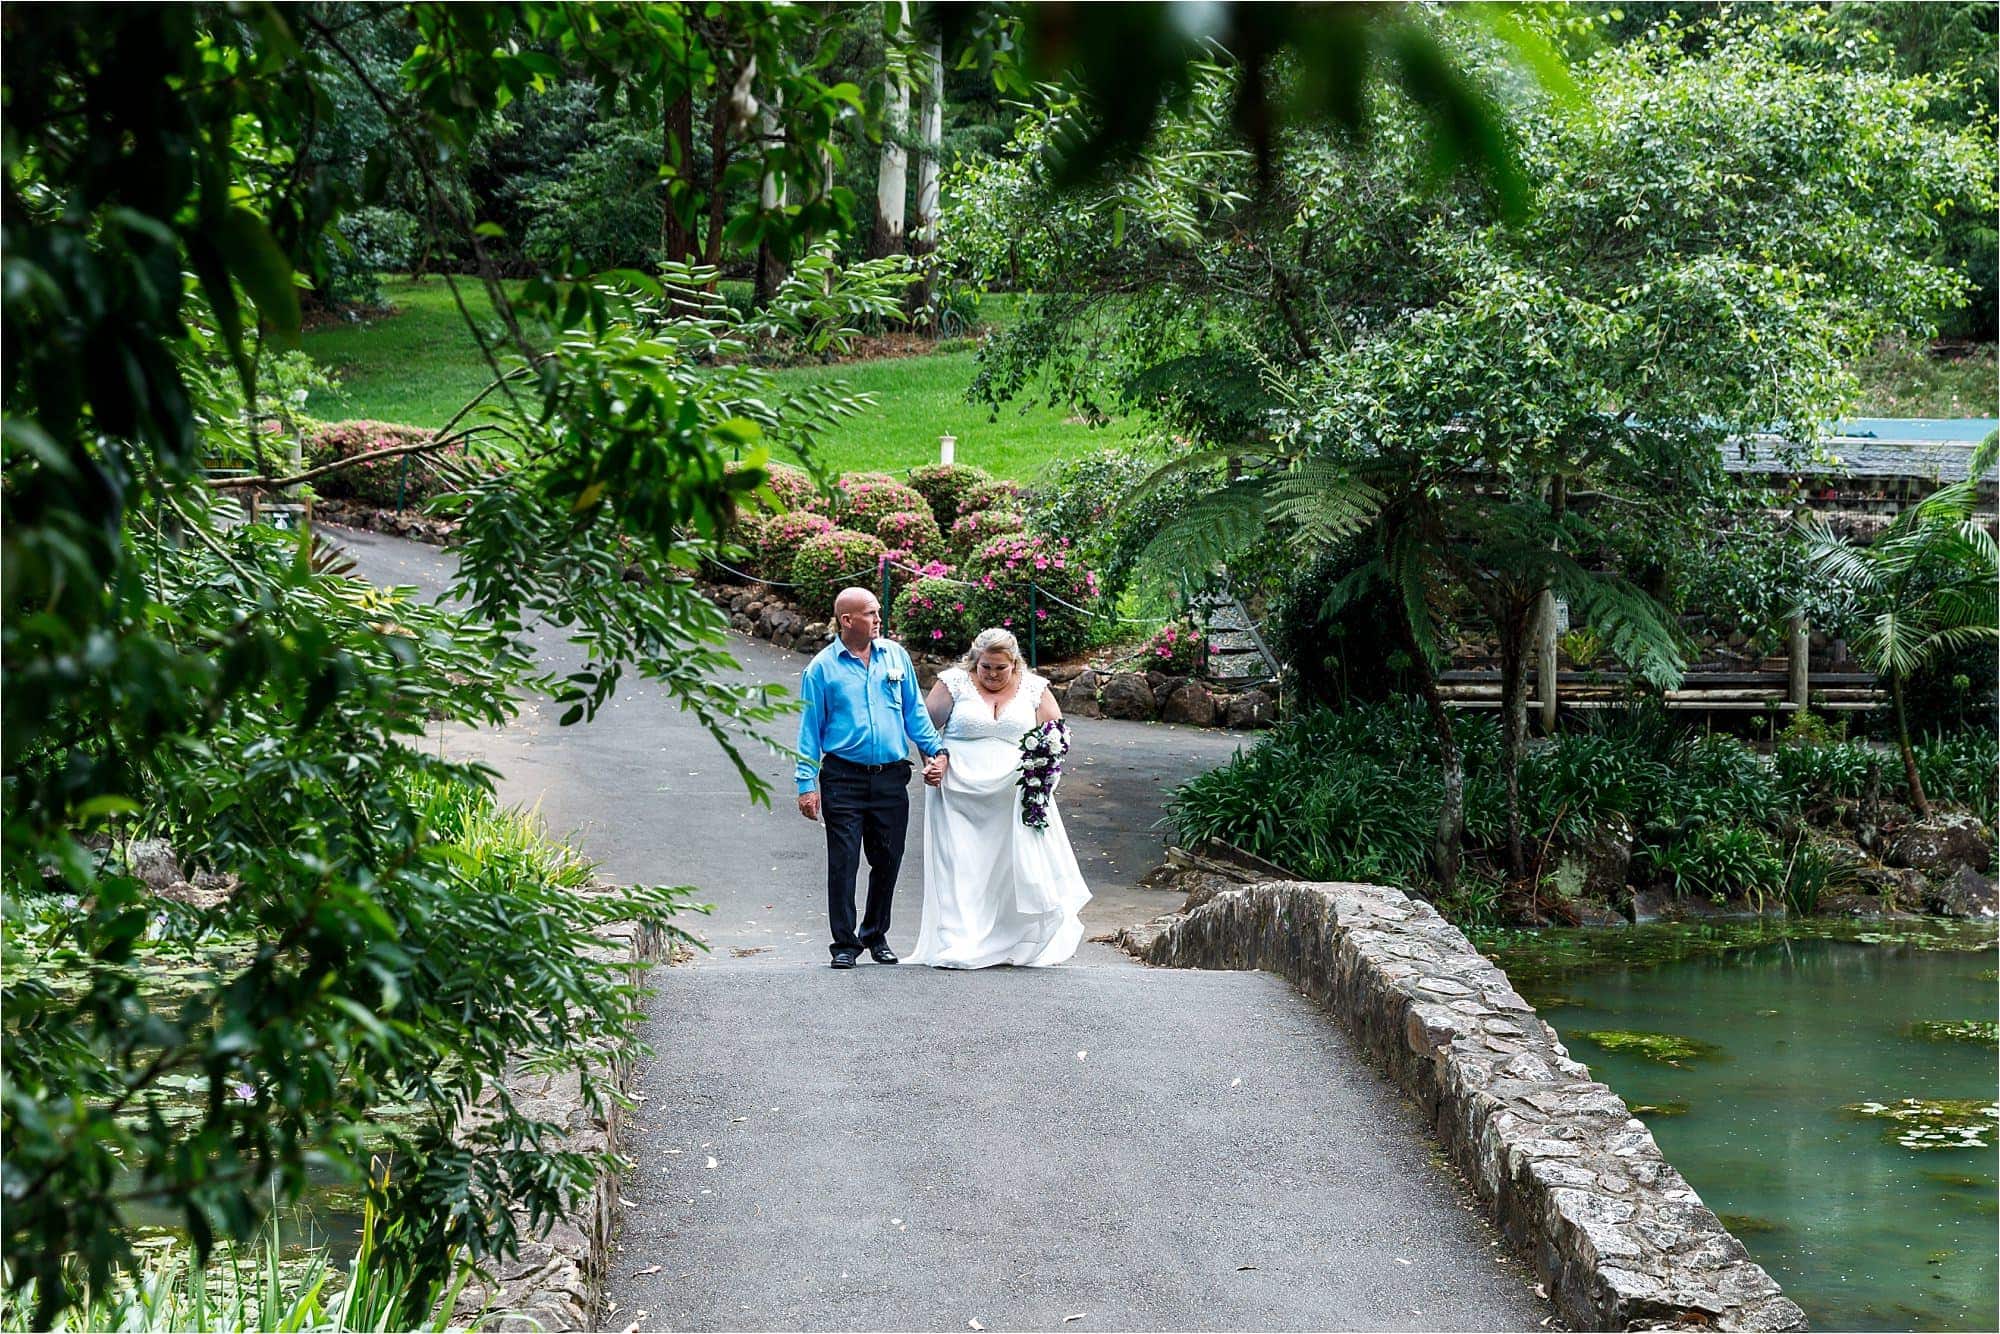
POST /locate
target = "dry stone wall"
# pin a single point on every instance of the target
(1577, 1183)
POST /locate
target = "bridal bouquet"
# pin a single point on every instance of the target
(1042, 752)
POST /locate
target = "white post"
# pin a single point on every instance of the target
(947, 448)
(1545, 659)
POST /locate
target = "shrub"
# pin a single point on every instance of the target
(931, 616)
(834, 560)
(1083, 499)
(774, 541)
(975, 530)
(1958, 769)
(1176, 647)
(1005, 569)
(911, 530)
(1809, 774)
(865, 504)
(851, 481)
(794, 488)
(943, 485)
(376, 482)
(995, 495)
(1719, 860)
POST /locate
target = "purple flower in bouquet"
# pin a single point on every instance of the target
(1042, 751)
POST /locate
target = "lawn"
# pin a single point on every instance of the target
(419, 366)
(1906, 379)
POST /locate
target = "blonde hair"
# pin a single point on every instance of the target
(994, 640)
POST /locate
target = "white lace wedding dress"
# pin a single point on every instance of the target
(995, 891)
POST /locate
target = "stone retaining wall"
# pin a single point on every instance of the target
(1574, 1180)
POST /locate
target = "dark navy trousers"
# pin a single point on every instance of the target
(864, 812)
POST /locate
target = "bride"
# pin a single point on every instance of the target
(995, 890)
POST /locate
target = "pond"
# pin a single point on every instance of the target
(1828, 1088)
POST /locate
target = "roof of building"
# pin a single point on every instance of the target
(1931, 450)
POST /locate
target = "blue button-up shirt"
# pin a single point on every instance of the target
(859, 713)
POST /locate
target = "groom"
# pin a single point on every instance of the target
(862, 711)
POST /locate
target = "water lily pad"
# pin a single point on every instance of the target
(1666, 1048)
(1934, 1123)
(1985, 1032)
(1659, 1109)
(1750, 1225)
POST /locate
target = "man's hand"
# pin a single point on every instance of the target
(809, 804)
(934, 769)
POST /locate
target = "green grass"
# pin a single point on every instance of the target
(416, 367)
(918, 399)
(419, 365)
(1912, 380)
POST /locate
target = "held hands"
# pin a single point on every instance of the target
(934, 769)
(809, 804)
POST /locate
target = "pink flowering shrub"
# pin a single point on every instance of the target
(831, 561)
(911, 530)
(975, 530)
(932, 616)
(374, 482)
(1061, 612)
(774, 540)
(1177, 648)
(909, 565)
(865, 504)
(794, 487)
(991, 496)
(943, 485)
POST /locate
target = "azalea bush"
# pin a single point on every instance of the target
(944, 485)
(911, 530)
(794, 488)
(831, 561)
(994, 495)
(775, 539)
(1060, 614)
(1177, 647)
(932, 616)
(975, 530)
(376, 482)
(865, 504)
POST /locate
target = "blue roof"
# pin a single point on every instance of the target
(1968, 430)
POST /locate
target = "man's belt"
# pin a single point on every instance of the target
(836, 762)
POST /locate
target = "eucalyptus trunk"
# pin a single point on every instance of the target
(930, 134)
(677, 240)
(720, 151)
(1447, 845)
(770, 200)
(1917, 797)
(892, 177)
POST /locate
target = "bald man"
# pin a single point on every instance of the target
(862, 712)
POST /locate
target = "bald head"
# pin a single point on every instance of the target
(858, 615)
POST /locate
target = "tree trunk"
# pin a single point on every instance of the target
(1917, 797)
(930, 130)
(770, 199)
(1512, 622)
(893, 176)
(677, 240)
(719, 153)
(1450, 837)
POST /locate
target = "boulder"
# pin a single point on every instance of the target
(1252, 708)
(1940, 845)
(1963, 893)
(1894, 885)
(1189, 702)
(1082, 702)
(1163, 684)
(1126, 695)
(152, 860)
(1063, 673)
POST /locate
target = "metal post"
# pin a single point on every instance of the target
(402, 477)
(888, 587)
(1033, 607)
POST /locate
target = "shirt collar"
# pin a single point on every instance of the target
(875, 648)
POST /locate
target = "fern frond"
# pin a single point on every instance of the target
(1324, 502)
(1210, 531)
(1405, 564)
(1635, 626)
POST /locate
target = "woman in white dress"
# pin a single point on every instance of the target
(995, 890)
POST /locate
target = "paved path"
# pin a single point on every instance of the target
(896, 1148)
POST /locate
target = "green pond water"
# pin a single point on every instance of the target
(1818, 1085)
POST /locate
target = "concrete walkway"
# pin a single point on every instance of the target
(1099, 1146)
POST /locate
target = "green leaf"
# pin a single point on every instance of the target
(255, 261)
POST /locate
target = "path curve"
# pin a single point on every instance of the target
(897, 1148)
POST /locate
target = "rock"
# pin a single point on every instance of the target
(1964, 893)
(1163, 684)
(1252, 708)
(1126, 695)
(1941, 844)
(739, 602)
(1083, 689)
(1188, 703)
(152, 860)
(755, 608)
(1602, 863)
(1597, 914)
(194, 896)
(1063, 674)
(1895, 886)
(927, 675)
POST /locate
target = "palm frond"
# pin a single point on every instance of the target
(1984, 456)
(1833, 558)
(1324, 502)
(1633, 624)
(1210, 531)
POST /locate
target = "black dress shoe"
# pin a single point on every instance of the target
(882, 954)
(843, 958)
